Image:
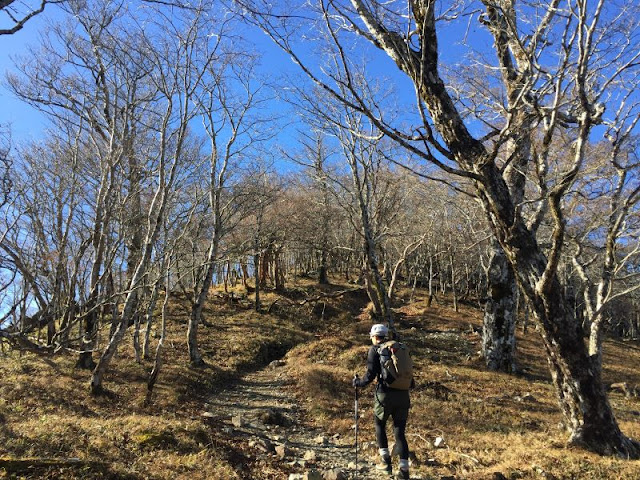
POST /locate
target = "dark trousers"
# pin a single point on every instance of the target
(384, 408)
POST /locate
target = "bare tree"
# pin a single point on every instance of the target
(607, 240)
(365, 163)
(5, 167)
(262, 188)
(227, 104)
(543, 100)
(179, 75)
(16, 13)
(319, 211)
(132, 81)
(92, 84)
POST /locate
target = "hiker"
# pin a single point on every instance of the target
(388, 402)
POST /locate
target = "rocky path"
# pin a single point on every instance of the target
(260, 411)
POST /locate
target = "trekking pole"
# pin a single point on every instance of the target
(356, 416)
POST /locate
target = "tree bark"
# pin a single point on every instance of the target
(498, 329)
(195, 357)
(257, 266)
(578, 381)
(576, 376)
(149, 318)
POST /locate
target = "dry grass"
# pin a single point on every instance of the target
(51, 427)
(490, 422)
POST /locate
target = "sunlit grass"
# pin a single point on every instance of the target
(490, 422)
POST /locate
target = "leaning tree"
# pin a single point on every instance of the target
(557, 70)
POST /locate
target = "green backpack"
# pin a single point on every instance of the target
(396, 365)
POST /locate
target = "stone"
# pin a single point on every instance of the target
(274, 417)
(312, 475)
(310, 455)
(262, 445)
(624, 387)
(322, 440)
(277, 363)
(334, 474)
(283, 451)
(369, 446)
(238, 422)
(438, 442)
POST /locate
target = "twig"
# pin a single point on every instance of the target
(465, 455)
(330, 295)
(420, 437)
(475, 460)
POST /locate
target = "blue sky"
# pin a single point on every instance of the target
(25, 121)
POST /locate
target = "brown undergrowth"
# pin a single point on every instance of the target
(491, 423)
(51, 427)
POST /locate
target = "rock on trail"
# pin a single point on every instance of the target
(261, 411)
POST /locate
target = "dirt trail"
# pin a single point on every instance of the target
(261, 412)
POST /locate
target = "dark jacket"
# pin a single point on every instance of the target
(386, 396)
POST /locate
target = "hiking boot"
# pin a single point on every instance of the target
(384, 465)
(403, 475)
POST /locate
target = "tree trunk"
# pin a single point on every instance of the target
(499, 323)
(114, 342)
(454, 290)
(596, 339)
(323, 277)
(201, 297)
(430, 282)
(245, 276)
(149, 319)
(377, 287)
(278, 269)
(578, 381)
(257, 266)
(85, 358)
(371, 293)
(137, 348)
(157, 364)
(588, 415)
(195, 357)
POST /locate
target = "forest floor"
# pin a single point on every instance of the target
(261, 410)
(275, 400)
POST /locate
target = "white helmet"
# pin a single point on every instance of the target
(378, 330)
